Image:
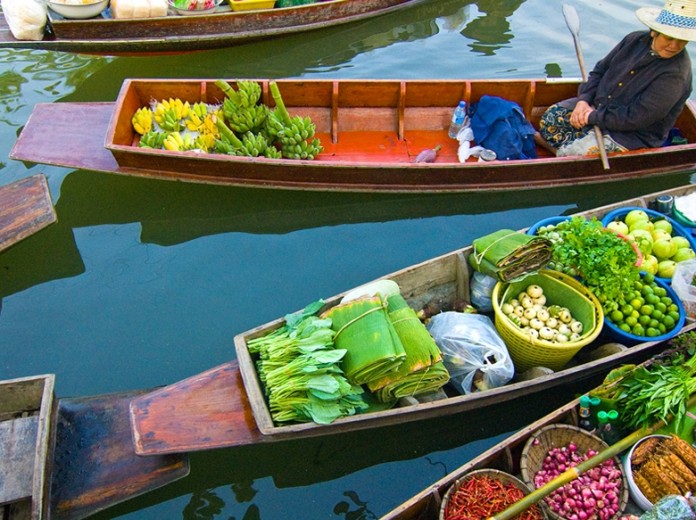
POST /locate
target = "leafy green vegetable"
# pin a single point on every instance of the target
(659, 390)
(604, 261)
(300, 369)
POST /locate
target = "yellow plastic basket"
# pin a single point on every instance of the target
(559, 289)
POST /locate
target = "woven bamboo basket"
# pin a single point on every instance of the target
(503, 477)
(556, 436)
(560, 289)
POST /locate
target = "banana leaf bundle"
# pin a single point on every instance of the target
(510, 255)
(423, 370)
(364, 331)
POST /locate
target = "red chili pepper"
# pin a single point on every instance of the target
(480, 497)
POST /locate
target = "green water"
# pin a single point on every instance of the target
(143, 283)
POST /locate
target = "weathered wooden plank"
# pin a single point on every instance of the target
(17, 451)
(95, 466)
(25, 208)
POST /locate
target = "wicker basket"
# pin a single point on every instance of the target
(556, 436)
(503, 477)
(560, 289)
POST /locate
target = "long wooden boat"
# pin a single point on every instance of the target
(25, 208)
(174, 33)
(66, 459)
(371, 131)
(214, 409)
(504, 456)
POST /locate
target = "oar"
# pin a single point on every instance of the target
(572, 473)
(573, 22)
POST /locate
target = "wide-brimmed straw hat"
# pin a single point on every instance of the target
(676, 19)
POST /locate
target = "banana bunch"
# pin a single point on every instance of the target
(195, 120)
(204, 142)
(142, 120)
(241, 107)
(178, 142)
(170, 114)
(297, 140)
(152, 139)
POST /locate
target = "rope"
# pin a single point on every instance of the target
(382, 306)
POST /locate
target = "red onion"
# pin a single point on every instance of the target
(593, 495)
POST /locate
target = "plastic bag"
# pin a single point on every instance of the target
(482, 287)
(26, 18)
(474, 353)
(671, 507)
(682, 284)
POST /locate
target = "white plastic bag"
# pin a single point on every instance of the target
(471, 348)
(482, 287)
(26, 18)
(682, 284)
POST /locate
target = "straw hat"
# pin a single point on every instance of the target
(676, 19)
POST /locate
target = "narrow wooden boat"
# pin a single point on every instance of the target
(504, 456)
(174, 33)
(371, 131)
(70, 458)
(214, 409)
(25, 208)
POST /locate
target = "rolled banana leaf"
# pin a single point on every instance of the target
(510, 255)
(363, 329)
(422, 371)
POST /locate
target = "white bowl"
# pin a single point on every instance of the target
(196, 7)
(79, 11)
(637, 496)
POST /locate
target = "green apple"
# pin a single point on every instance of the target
(618, 227)
(649, 264)
(635, 215)
(681, 241)
(663, 224)
(664, 248)
(665, 269)
(683, 253)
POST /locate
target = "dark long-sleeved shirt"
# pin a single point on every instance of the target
(637, 95)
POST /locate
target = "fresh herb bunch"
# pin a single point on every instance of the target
(605, 262)
(660, 390)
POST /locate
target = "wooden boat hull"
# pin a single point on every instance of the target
(66, 459)
(216, 409)
(371, 132)
(105, 35)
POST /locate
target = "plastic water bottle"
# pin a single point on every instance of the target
(458, 118)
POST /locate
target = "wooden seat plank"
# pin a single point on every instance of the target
(25, 208)
(17, 452)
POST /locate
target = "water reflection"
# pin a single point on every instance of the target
(345, 509)
(491, 31)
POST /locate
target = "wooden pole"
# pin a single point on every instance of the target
(573, 23)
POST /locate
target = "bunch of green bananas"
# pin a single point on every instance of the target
(241, 107)
(297, 139)
(152, 139)
(142, 120)
(170, 114)
(250, 145)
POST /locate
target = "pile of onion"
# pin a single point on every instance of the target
(593, 495)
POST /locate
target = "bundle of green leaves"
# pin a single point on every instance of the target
(300, 369)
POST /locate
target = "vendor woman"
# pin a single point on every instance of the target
(635, 93)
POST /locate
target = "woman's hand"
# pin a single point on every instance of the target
(580, 115)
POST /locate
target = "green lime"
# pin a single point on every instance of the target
(644, 319)
(652, 332)
(636, 303)
(668, 321)
(657, 315)
(631, 321)
(647, 309)
(648, 278)
(638, 330)
(652, 299)
(616, 316)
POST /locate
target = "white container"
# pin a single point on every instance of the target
(78, 11)
(636, 495)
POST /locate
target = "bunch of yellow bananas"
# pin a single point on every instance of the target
(142, 120)
(176, 141)
(170, 114)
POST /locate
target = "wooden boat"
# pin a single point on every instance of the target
(173, 33)
(25, 209)
(371, 132)
(214, 409)
(504, 456)
(70, 458)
